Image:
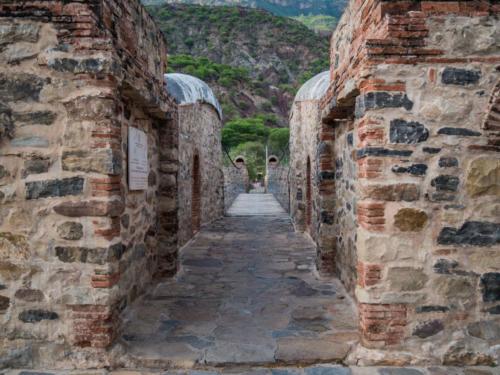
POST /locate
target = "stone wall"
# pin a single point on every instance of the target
(199, 134)
(76, 245)
(309, 141)
(419, 82)
(277, 183)
(235, 183)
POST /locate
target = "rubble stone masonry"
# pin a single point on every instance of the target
(76, 245)
(414, 108)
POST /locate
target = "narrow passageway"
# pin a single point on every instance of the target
(247, 293)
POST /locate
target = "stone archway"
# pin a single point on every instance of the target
(196, 195)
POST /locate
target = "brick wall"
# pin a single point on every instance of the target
(419, 80)
(74, 241)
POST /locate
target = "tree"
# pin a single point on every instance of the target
(255, 157)
(242, 130)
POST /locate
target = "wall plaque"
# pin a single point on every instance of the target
(138, 166)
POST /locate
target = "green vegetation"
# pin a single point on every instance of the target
(253, 60)
(319, 23)
(207, 70)
(249, 137)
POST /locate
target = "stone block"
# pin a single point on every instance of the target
(485, 330)
(381, 99)
(10, 271)
(431, 309)
(448, 162)
(36, 316)
(105, 161)
(11, 32)
(70, 230)
(35, 118)
(445, 183)
(101, 255)
(111, 208)
(483, 177)
(29, 295)
(33, 141)
(431, 150)
(407, 132)
(410, 220)
(490, 285)
(428, 328)
(381, 152)
(461, 132)
(414, 169)
(4, 304)
(35, 165)
(6, 122)
(445, 266)
(405, 279)
(92, 65)
(462, 77)
(471, 233)
(54, 188)
(21, 87)
(454, 287)
(393, 193)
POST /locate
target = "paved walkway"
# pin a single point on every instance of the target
(247, 294)
(256, 205)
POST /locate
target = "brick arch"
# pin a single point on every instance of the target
(196, 194)
(492, 120)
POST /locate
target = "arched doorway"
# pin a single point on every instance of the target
(308, 195)
(196, 195)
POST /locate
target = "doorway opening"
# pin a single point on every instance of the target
(196, 195)
(308, 195)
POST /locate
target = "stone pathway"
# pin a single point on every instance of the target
(247, 294)
(256, 205)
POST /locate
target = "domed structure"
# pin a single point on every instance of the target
(315, 88)
(186, 89)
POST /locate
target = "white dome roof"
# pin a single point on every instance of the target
(315, 88)
(188, 89)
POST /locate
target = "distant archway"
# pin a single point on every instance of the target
(308, 194)
(196, 195)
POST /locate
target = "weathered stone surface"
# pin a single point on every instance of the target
(414, 169)
(486, 330)
(11, 32)
(393, 193)
(495, 310)
(36, 166)
(445, 183)
(29, 295)
(326, 370)
(6, 122)
(14, 246)
(462, 132)
(54, 188)
(70, 230)
(431, 150)
(460, 355)
(379, 151)
(428, 328)
(483, 177)
(20, 86)
(457, 76)
(472, 233)
(406, 278)
(4, 303)
(407, 132)
(399, 371)
(454, 288)
(3, 172)
(111, 208)
(445, 266)
(448, 162)
(35, 316)
(490, 284)
(410, 220)
(83, 65)
(10, 271)
(30, 142)
(381, 99)
(431, 308)
(105, 161)
(35, 118)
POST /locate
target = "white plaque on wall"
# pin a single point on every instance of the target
(138, 167)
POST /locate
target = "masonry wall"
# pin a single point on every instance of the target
(199, 134)
(277, 180)
(310, 140)
(420, 79)
(235, 183)
(76, 245)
